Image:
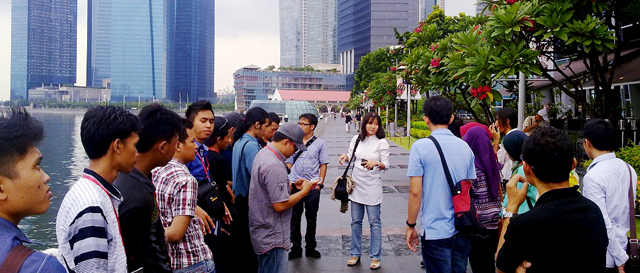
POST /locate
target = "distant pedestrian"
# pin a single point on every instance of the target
(358, 121)
(347, 122)
(87, 226)
(23, 191)
(371, 151)
(270, 201)
(443, 248)
(272, 127)
(532, 123)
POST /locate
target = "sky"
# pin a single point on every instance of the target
(246, 33)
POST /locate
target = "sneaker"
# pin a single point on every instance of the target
(295, 253)
(313, 253)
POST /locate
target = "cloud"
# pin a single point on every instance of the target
(233, 53)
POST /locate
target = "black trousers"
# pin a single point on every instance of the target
(242, 239)
(310, 203)
(484, 244)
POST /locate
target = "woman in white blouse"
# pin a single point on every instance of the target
(371, 159)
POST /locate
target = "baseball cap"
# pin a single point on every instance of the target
(294, 132)
(543, 114)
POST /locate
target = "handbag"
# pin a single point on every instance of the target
(210, 200)
(343, 185)
(633, 264)
(464, 209)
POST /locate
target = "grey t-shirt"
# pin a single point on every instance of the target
(269, 184)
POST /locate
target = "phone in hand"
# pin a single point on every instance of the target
(363, 162)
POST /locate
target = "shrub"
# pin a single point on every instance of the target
(419, 133)
(631, 155)
(419, 125)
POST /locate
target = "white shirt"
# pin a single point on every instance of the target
(368, 189)
(607, 184)
(505, 160)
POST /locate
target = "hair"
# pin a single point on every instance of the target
(509, 114)
(549, 153)
(438, 109)
(313, 120)
(18, 132)
(157, 124)
(278, 136)
(253, 115)
(601, 134)
(454, 127)
(220, 130)
(235, 119)
(197, 107)
(182, 134)
(273, 117)
(368, 118)
(102, 125)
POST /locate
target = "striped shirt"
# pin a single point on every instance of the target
(177, 194)
(87, 227)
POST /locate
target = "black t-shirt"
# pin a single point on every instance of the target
(220, 172)
(564, 232)
(140, 224)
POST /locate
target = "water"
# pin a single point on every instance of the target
(64, 160)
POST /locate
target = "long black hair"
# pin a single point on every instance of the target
(253, 115)
(368, 118)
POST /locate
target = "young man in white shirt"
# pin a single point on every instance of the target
(607, 184)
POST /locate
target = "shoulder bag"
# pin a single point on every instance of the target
(464, 210)
(343, 185)
(633, 264)
(14, 260)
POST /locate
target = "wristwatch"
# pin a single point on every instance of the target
(506, 214)
(411, 225)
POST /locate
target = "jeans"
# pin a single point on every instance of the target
(446, 255)
(308, 205)
(205, 266)
(484, 244)
(274, 261)
(373, 214)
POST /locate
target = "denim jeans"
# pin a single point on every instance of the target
(274, 261)
(309, 205)
(446, 255)
(206, 266)
(373, 214)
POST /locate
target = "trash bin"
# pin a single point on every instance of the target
(392, 129)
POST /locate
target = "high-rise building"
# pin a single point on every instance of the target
(193, 51)
(480, 5)
(98, 42)
(366, 25)
(43, 44)
(426, 8)
(307, 32)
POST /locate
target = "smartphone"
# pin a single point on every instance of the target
(363, 162)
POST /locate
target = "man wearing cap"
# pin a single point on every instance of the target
(270, 201)
(531, 123)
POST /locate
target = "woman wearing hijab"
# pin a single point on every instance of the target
(487, 195)
(513, 145)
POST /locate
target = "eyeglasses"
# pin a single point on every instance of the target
(304, 124)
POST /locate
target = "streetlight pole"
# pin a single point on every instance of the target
(408, 109)
(521, 101)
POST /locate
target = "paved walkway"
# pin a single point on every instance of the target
(334, 228)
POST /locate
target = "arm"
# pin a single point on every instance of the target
(345, 157)
(183, 207)
(135, 225)
(516, 197)
(177, 229)
(323, 172)
(415, 198)
(294, 198)
(90, 226)
(495, 137)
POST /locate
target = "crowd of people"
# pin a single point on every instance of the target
(206, 193)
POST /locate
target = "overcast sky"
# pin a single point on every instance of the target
(246, 33)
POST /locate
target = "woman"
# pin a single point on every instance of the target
(371, 159)
(513, 145)
(486, 189)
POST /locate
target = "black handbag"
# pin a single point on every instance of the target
(633, 264)
(343, 185)
(210, 200)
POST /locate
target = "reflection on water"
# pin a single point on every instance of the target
(64, 159)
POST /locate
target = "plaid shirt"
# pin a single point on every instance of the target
(177, 194)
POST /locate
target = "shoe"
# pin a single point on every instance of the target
(294, 254)
(312, 253)
(353, 261)
(375, 264)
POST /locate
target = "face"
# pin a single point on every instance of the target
(271, 130)
(291, 148)
(27, 193)
(538, 118)
(203, 125)
(189, 147)
(261, 129)
(224, 143)
(306, 126)
(127, 153)
(372, 126)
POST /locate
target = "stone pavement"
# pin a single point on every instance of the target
(334, 228)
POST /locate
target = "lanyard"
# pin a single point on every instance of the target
(205, 163)
(90, 178)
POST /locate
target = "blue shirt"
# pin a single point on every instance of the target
(308, 164)
(242, 163)
(196, 167)
(436, 218)
(11, 236)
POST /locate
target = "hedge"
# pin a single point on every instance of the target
(419, 133)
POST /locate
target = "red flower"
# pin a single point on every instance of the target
(433, 47)
(475, 27)
(393, 68)
(511, 2)
(417, 30)
(435, 62)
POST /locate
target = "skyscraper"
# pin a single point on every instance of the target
(426, 8)
(307, 32)
(366, 25)
(193, 51)
(43, 44)
(98, 41)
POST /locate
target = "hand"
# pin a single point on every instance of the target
(522, 268)
(370, 164)
(495, 133)
(621, 268)
(308, 185)
(320, 182)
(227, 215)
(516, 196)
(206, 220)
(343, 158)
(299, 183)
(224, 231)
(412, 239)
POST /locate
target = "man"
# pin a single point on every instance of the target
(269, 200)
(443, 248)
(564, 231)
(87, 226)
(347, 122)
(200, 114)
(272, 127)
(309, 164)
(177, 194)
(358, 120)
(142, 230)
(531, 123)
(607, 184)
(23, 190)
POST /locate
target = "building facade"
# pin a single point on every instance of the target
(252, 83)
(307, 32)
(69, 93)
(364, 26)
(426, 8)
(43, 44)
(98, 41)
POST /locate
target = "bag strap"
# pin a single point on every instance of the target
(454, 192)
(14, 260)
(633, 241)
(295, 158)
(353, 156)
